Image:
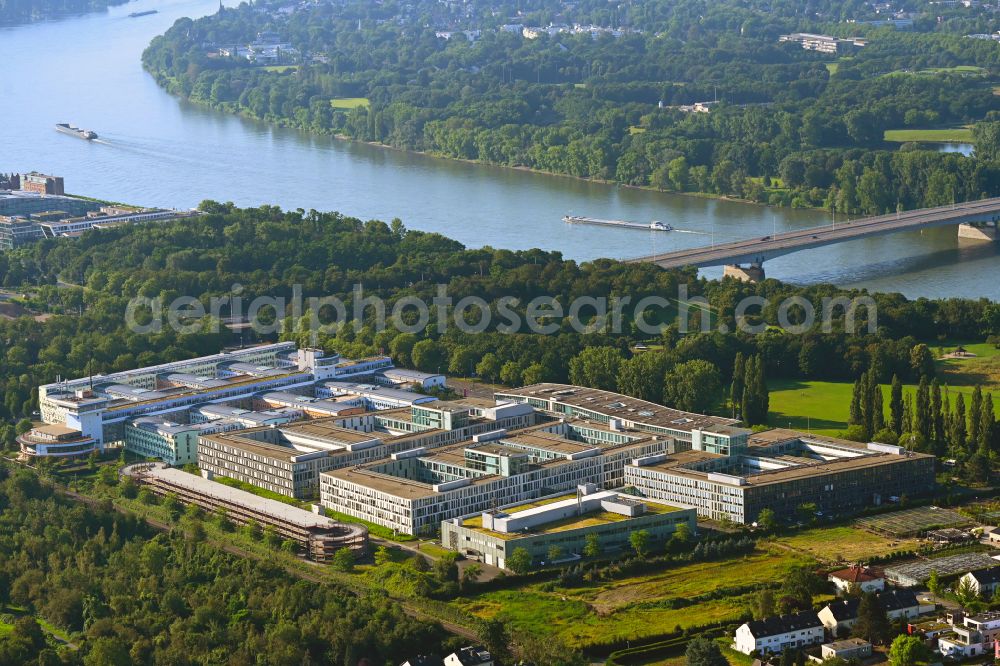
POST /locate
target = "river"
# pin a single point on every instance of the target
(158, 150)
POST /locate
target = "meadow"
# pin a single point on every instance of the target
(824, 407)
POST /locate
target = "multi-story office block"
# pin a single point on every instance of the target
(784, 471)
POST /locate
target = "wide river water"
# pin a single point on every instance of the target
(158, 150)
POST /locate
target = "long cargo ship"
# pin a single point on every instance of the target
(66, 128)
(145, 13)
(655, 225)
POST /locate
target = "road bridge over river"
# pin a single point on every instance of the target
(975, 219)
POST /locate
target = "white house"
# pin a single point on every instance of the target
(469, 656)
(865, 579)
(776, 634)
(983, 581)
(976, 636)
(839, 616)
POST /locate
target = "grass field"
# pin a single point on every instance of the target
(945, 135)
(5, 628)
(824, 407)
(280, 68)
(832, 67)
(578, 625)
(627, 608)
(843, 544)
(349, 102)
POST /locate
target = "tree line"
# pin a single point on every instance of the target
(267, 251)
(788, 130)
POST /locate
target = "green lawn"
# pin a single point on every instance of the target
(5, 628)
(349, 102)
(832, 67)
(824, 407)
(821, 407)
(280, 68)
(373, 529)
(946, 135)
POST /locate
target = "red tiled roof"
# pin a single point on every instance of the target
(856, 574)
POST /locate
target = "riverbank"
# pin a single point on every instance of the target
(286, 123)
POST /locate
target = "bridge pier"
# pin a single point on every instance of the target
(750, 273)
(978, 231)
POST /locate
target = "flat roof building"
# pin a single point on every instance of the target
(100, 407)
(709, 433)
(288, 459)
(373, 396)
(41, 183)
(824, 43)
(782, 470)
(18, 202)
(414, 490)
(319, 537)
(405, 377)
(55, 440)
(563, 522)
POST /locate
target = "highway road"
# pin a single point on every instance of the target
(756, 251)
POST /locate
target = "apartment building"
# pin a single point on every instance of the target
(777, 634)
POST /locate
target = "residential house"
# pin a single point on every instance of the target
(839, 616)
(861, 577)
(974, 637)
(776, 634)
(469, 656)
(983, 581)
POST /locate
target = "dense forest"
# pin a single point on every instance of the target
(792, 127)
(139, 597)
(267, 251)
(20, 11)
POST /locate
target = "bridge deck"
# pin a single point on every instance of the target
(756, 251)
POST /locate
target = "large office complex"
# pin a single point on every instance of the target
(150, 410)
(783, 470)
(289, 459)
(592, 436)
(418, 461)
(562, 524)
(414, 490)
